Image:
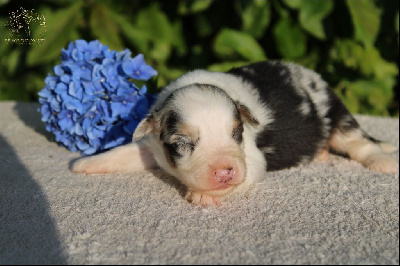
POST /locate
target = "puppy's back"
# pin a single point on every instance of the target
(300, 103)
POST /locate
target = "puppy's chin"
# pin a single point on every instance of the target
(221, 191)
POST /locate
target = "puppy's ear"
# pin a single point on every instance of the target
(246, 115)
(145, 127)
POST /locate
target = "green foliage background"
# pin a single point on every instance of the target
(353, 44)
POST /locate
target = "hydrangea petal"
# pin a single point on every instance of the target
(78, 129)
(58, 70)
(65, 78)
(89, 151)
(81, 45)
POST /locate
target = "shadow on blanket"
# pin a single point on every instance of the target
(20, 194)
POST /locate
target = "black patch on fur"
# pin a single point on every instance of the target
(172, 121)
(172, 153)
(175, 144)
(368, 137)
(169, 127)
(341, 119)
(313, 86)
(338, 113)
(211, 87)
(237, 133)
(292, 135)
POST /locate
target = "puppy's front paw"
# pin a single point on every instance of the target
(197, 198)
(85, 165)
(382, 163)
(78, 166)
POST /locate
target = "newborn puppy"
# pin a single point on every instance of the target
(220, 132)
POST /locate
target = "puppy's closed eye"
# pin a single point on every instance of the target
(182, 143)
(176, 147)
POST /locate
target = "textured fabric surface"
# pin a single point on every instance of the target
(334, 212)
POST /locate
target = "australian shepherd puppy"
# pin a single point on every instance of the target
(220, 132)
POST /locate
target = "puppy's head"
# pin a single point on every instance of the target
(196, 135)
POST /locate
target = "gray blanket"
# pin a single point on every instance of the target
(334, 212)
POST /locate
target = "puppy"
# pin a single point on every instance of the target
(220, 132)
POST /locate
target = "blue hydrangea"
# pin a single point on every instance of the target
(92, 103)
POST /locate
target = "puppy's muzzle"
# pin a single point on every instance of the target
(225, 175)
(225, 172)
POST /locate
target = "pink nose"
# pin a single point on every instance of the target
(224, 175)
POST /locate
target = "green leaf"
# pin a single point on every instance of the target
(107, 33)
(290, 41)
(312, 13)
(371, 63)
(295, 4)
(310, 60)
(155, 24)
(230, 44)
(191, 7)
(366, 20)
(379, 101)
(4, 2)
(351, 101)
(367, 60)
(178, 41)
(160, 51)
(166, 74)
(36, 83)
(157, 29)
(256, 17)
(362, 88)
(152, 33)
(374, 95)
(348, 52)
(13, 60)
(136, 37)
(60, 27)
